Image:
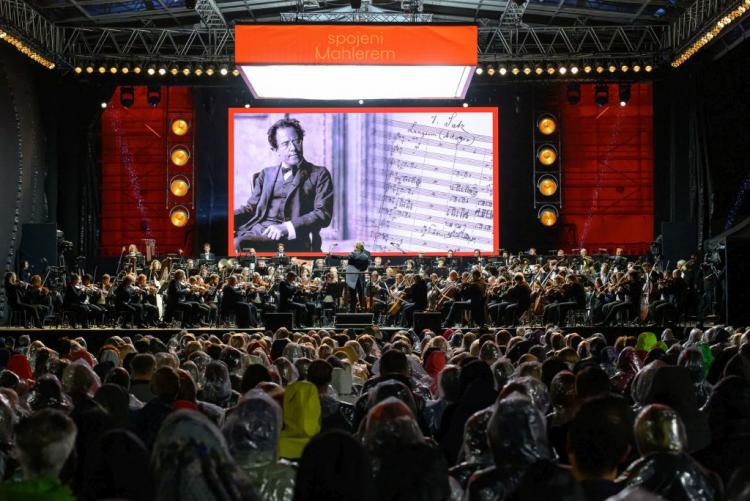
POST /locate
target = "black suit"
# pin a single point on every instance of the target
(126, 300)
(513, 303)
(17, 301)
(177, 295)
(359, 262)
(302, 313)
(308, 206)
(416, 297)
(232, 302)
(75, 301)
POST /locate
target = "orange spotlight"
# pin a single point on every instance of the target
(179, 216)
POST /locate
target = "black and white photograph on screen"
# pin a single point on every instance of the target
(402, 181)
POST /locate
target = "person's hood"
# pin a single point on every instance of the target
(672, 476)
(252, 429)
(19, 365)
(728, 408)
(301, 416)
(517, 432)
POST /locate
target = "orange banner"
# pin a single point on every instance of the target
(448, 45)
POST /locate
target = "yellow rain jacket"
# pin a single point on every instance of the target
(301, 418)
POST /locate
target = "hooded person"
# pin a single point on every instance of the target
(665, 468)
(115, 400)
(252, 434)
(334, 465)
(692, 360)
(20, 366)
(646, 342)
(434, 364)
(475, 452)
(191, 462)
(477, 392)
(8, 420)
(217, 388)
(728, 411)
(673, 386)
(518, 438)
(415, 472)
(48, 393)
(118, 468)
(628, 365)
(301, 414)
(389, 424)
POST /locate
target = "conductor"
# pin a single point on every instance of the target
(358, 262)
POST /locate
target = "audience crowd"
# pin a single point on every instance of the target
(323, 415)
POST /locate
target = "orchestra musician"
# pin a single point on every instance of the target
(146, 297)
(232, 302)
(16, 297)
(127, 301)
(357, 263)
(415, 299)
(587, 263)
(472, 294)
(177, 300)
(77, 301)
(207, 255)
(287, 291)
(630, 293)
(513, 303)
(377, 294)
(572, 295)
(94, 295)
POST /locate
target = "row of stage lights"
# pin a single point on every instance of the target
(160, 70)
(547, 184)
(26, 50)
(179, 185)
(502, 70)
(722, 23)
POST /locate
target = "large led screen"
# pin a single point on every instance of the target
(403, 180)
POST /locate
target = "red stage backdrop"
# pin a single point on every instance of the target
(607, 171)
(135, 176)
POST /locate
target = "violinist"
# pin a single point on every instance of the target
(319, 268)
(469, 295)
(287, 290)
(16, 297)
(672, 291)
(36, 294)
(94, 295)
(232, 302)
(377, 293)
(127, 300)
(572, 295)
(415, 299)
(630, 293)
(514, 302)
(196, 294)
(77, 301)
(177, 300)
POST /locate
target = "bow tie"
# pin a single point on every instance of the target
(286, 170)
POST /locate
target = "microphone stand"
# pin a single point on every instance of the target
(119, 263)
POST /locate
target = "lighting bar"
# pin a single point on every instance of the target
(717, 28)
(26, 51)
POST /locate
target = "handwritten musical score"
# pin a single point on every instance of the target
(432, 182)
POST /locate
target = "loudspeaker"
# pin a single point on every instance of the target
(39, 243)
(427, 320)
(273, 321)
(679, 240)
(351, 319)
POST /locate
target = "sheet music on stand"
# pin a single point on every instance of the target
(433, 182)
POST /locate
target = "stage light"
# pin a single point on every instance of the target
(599, 68)
(538, 70)
(235, 72)
(127, 96)
(515, 70)
(174, 70)
(547, 185)
(503, 71)
(89, 69)
(574, 93)
(180, 127)
(247, 105)
(491, 71)
(361, 101)
(548, 215)
(624, 68)
(223, 70)
(179, 216)
(162, 70)
(562, 70)
(179, 186)
(636, 67)
(137, 69)
(612, 68)
(153, 96)
(587, 68)
(113, 69)
(179, 155)
(601, 94)
(551, 70)
(186, 71)
(624, 94)
(210, 71)
(125, 69)
(648, 68)
(466, 105)
(151, 70)
(547, 125)
(547, 154)
(526, 69)
(479, 70)
(103, 104)
(102, 70)
(574, 70)
(78, 70)
(198, 71)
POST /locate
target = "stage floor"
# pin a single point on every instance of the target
(95, 337)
